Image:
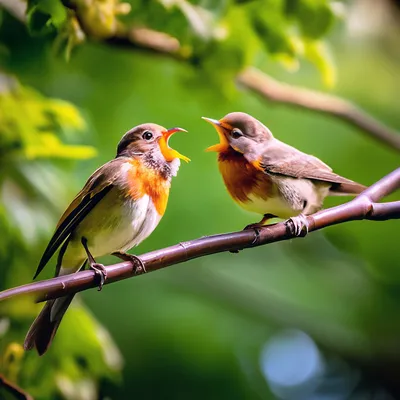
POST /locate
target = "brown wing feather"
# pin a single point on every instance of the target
(94, 190)
(285, 160)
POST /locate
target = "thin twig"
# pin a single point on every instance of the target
(278, 92)
(362, 207)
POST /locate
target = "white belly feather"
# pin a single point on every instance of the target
(114, 224)
(273, 205)
(292, 197)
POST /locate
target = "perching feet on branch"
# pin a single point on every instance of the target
(137, 262)
(99, 269)
(299, 225)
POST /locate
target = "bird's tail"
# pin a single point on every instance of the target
(346, 189)
(44, 327)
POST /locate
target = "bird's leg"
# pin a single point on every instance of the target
(260, 224)
(99, 269)
(300, 225)
(137, 262)
(256, 226)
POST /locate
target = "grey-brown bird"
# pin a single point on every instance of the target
(269, 177)
(120, 205)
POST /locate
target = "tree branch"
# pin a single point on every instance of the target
(268, 87)
(278, 92)
(362, 207)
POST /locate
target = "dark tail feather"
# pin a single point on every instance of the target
(346, 189)
(43, 328)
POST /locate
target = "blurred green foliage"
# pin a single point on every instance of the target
(36, 135)
(210, 32)
(196, 330)
(30, 129)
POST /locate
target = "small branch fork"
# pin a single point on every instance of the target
(364, 206)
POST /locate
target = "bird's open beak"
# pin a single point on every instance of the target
(168, 153)
(223, 144)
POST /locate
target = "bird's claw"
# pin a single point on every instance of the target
(100, 270)
(256, 235)
(255, 226)
(138, 264)
(299, 225)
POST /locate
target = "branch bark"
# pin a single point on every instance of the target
(364, 206)
(278, 92)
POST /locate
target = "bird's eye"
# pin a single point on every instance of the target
(236, 133)
(147, 135)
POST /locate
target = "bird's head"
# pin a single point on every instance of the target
(150, 141)
(239, 132)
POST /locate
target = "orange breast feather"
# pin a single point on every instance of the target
(242, 178)
(148, 181)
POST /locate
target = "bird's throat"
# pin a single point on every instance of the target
(148, 181)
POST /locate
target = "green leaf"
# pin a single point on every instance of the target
(35, 135)
(31, 128)
(45, 16)
(271, 26)
(315, 17)
(318, 53)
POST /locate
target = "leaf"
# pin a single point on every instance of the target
(65, 114)
(201, 20)
(315, 17)
(31, 126)
(271, 26)
(50, 146)
(318, 53)
(221, 60)
(45, 16)
(35, 135)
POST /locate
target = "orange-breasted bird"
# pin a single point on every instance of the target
(119, 206)
(269, 177)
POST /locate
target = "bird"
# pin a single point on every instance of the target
(119, 206)
(269, 177)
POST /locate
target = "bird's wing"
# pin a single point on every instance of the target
(282, 159)
(97, 186)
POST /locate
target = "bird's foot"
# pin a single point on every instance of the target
(100, 270)
(261, 223)
(299, 225)
(256, 225)
(138, 264)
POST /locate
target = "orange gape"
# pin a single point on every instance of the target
(143, 181)
(241, 178)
